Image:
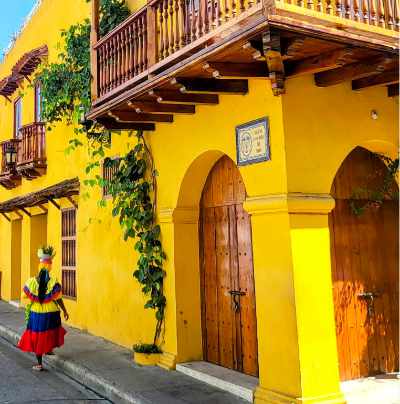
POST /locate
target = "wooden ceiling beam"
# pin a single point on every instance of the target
(168, 96)
(226, 86)
(352, 72)
(112, 124)
(131, 116)
(5, 216)
(393, 90)
(382, 79)
(144, 106)
(221, 69)
(319, 63)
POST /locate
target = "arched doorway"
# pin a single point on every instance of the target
(229, 323)
(364, 251)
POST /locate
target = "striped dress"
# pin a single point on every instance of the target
(44, 331)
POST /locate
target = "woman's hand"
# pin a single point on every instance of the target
(66, 315)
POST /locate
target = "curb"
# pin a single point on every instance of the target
(80, 374)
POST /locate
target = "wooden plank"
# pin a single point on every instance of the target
(352, 71)
(393, 90)
(226, 69)
(227, 86)
(131, 116)
(246, 284)
(112, 124)
(382, 79)
(94, 37)
(144, 106)
(169, 96)
(319, 63)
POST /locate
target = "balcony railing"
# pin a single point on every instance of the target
(32, 146)
(164, 32)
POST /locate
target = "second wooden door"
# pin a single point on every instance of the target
(228, 297)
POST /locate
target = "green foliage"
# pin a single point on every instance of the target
(66, 97)
(364, 198)
(133, 189)
(66, 84)
(47, 250)
(147, 348)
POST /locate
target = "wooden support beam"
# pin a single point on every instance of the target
(229, 86)
(5, 216)
(319, 63)
(131, 116)
(112, 124)
(144, 106)
(293, 47)
(352, 71)
(382, 79)
(393, 90)
(255, 47)
(219, 70)
(179, 98)
(73, 203)
(94, 37)
(53, 202)
(26, 212)
(272, 51)
(45, 210)
(18, 214)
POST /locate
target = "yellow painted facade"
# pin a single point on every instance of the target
(312, 131)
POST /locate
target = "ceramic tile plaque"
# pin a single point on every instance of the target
(252, 142)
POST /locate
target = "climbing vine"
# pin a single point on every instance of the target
(364, 198)
(66, 97)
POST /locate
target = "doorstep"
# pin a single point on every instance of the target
(236, 383)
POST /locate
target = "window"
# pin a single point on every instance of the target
(110, 167)
(38, 103)
(68, 252)
(17, 117)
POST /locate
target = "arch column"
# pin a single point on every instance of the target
(296, 329)
(179, 228)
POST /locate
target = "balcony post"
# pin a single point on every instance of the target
(151, 34)
(94, 37)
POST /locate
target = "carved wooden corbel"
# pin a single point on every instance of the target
(272, 51)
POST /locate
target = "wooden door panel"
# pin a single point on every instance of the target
(210, 311)
(364, 252)
(229, 334)
(247, 313)
(226, 320)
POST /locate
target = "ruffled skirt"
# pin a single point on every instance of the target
(44, 333)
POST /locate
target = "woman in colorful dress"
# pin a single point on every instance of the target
(44, 331)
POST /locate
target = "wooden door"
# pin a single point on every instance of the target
(364, 252)
(228, 297)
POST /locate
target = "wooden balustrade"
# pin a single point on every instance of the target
(32, 145)
(380, 13)
(123, 54)
(167, 27)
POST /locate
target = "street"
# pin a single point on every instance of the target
(19, 384)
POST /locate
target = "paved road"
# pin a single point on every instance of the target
(19, 384)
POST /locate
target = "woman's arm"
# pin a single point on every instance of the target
(60, 303)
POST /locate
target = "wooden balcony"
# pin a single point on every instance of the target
(173, 54)
(9, 178)
(31, 158)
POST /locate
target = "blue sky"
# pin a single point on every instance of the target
(12, 15)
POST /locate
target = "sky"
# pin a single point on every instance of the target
(12, 16)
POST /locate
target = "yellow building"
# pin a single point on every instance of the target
(262, 118)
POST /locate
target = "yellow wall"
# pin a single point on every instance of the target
(312, 130)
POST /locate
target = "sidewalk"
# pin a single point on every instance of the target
(108, 369)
